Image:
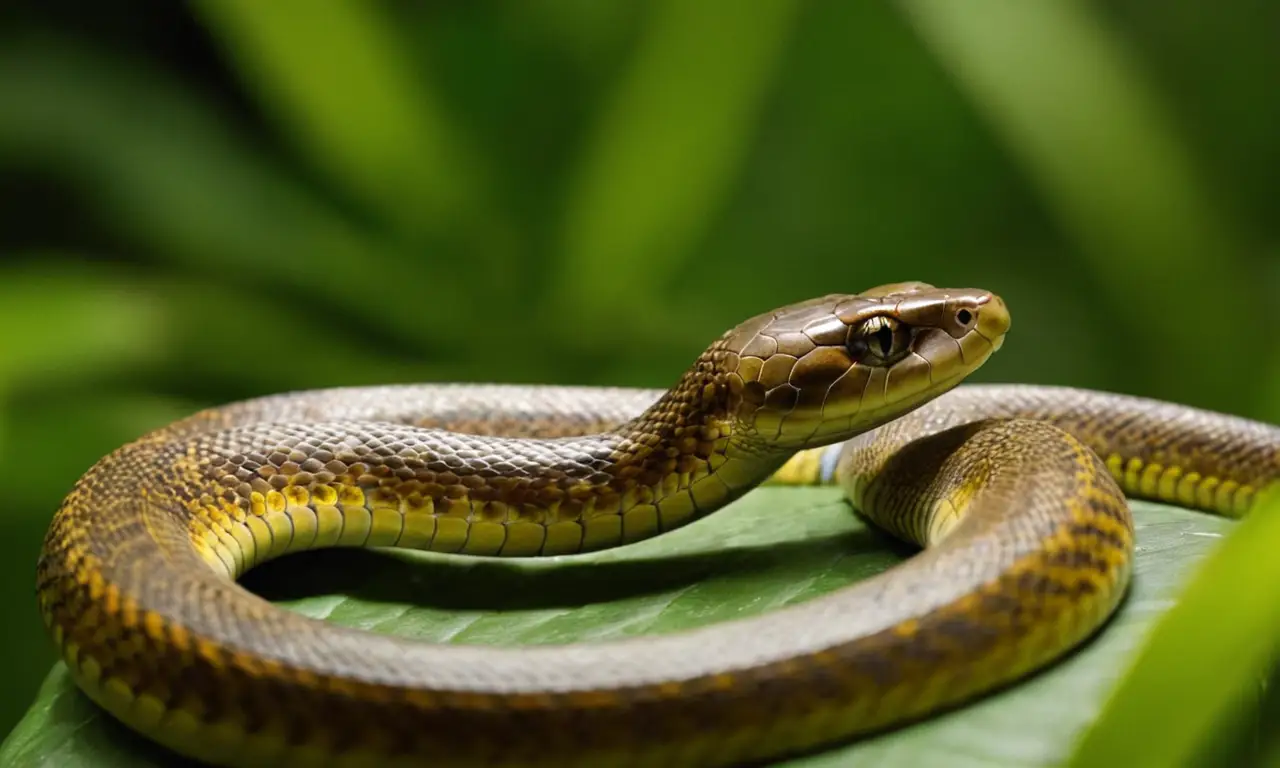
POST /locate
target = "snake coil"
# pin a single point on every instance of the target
(1015, 494)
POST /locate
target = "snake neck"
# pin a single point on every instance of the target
(691, 444)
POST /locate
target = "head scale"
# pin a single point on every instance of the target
(827, 369)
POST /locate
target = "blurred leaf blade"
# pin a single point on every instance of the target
(70, 324)
(306, 351)
(167, 173)
(335, 74)
(666, 147)
(1069, 103)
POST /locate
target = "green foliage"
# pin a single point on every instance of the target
(1069, 102)
(342, 84)
(776, 547)
(647, 186)
(227, 199)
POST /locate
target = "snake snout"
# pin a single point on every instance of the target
(993, 321)
(974, 321)
(828, 369)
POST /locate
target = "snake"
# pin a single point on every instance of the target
(1015, 497)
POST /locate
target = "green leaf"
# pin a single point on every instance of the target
(668, 144)
(71, 322)
(775, 547)
(337, 75)
(172, 175)
(1204, 661)
(68, 322)
(1068, 101)
(308, 350)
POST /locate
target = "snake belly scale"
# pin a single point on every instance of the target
(1016, 495)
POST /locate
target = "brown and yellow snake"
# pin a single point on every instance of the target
(1011, 491)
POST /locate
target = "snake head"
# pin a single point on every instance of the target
(827, 369)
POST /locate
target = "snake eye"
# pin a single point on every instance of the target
(879, 340)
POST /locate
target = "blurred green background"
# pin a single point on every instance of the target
(208, 201)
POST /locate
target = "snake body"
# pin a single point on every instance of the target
(1015, 493)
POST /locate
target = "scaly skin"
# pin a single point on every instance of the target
(1028, 546)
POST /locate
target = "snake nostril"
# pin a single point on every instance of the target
(964, 317)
